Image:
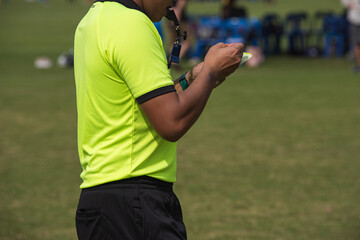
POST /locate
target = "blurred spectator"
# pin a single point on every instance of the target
(265, 1)
(269, 1)
(229, 10)
(353, 16)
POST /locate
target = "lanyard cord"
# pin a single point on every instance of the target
(175, 53)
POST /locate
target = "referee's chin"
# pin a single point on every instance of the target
(157, 19)
(156, 16)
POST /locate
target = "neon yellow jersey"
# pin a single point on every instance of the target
(120, 62)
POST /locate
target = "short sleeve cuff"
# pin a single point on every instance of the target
(155, 93)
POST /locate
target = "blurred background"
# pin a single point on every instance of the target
(275, 155)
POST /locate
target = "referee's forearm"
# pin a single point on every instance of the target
(192, 102)
(173, 114)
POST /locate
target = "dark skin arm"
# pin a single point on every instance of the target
(190, 76)
(173, 114)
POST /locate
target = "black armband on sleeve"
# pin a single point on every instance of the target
(155, 93)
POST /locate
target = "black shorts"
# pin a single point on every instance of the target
(131, 209)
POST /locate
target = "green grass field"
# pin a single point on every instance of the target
(275, 155)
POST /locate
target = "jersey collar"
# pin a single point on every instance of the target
(127, 3)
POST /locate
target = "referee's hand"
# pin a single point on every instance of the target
(222, 60)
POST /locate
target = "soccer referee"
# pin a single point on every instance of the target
(130, 116)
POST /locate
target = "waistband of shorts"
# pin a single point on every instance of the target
(141, 182)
